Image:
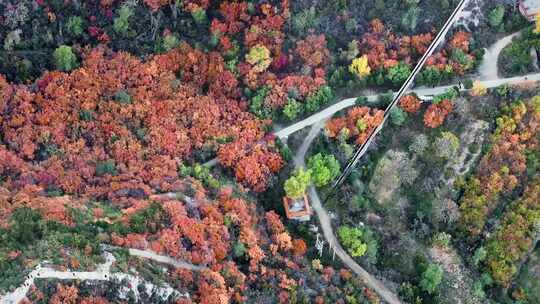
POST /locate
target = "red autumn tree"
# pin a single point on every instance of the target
(274, 222)
(410, 103)
(212, 288)
(155, 5)
(313, 51)
(194, 5)
(235, 17)
(299, 247)
(253, 165)
(266, 29)
(93, 300)
(437, 112)
(460, 40)
(359, 123)
(446, 59)
(384, 49)
(65, 295)
(421, 42)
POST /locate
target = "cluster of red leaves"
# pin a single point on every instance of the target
(255, 168)
(371, 118)
(442, 59)
(281, 239)
(410, 103)
(194, 5)
(299, 247)
(70, 295)
(253, 164)
(64, 294)
(213, 288)
(461, 40)
(265, 28)
(201, 69)
(155, 5)
(59, 132)
(219, 287)
(385, 50)
(302, 85)
(235, 17)
(53, 208)
(434, 115)
(313, 51)
(196, 231)
(501, 169)
(437, 112)
(189, 5)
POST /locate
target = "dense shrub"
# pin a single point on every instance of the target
(501, 168)
(64, 58)
(515, 237)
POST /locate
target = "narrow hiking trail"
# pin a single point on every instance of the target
(488, 71)
(103, 273)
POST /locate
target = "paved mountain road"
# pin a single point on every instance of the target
(423, 92)
(488, 73)
(489, 69)
(326, 225)
(317, 122)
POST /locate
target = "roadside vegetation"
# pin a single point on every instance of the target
(112, 114)
(413, 193)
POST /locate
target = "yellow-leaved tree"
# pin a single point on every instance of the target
(478, 89)
(360, 67)
(259, 58)
(537, 24)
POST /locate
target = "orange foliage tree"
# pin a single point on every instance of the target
(124, 123)
(503, 166)
(410, 103)
(313, 51)
(455, 57)
(299, 247)
(359, 121)
(437, 112)
(65, 295)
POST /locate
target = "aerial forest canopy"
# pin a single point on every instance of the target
(184, 151)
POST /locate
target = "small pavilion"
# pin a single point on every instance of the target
(297, 209)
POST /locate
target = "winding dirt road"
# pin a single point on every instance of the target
(317, 121)
(488, 72)
(326, 224)
(423, 92)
